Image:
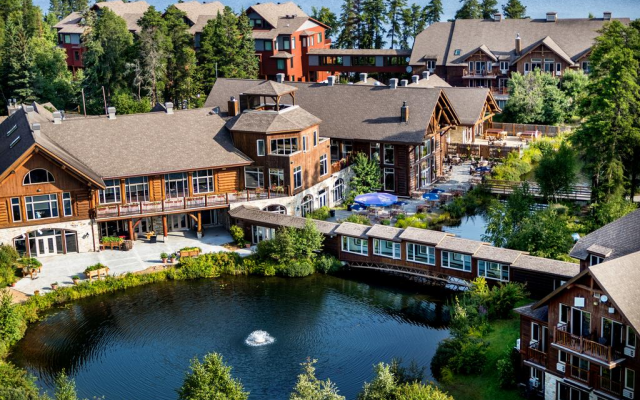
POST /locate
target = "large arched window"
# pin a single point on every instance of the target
(338, 190)
(38, 175)
(307, 205)
(276, 209)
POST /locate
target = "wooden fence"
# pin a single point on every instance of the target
(576, 193)
(481, 150)
(513, 129)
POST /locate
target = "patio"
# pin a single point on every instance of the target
(143, 255)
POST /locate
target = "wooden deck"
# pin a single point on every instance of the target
(577, 192)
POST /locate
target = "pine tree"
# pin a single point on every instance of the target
(514, 9)
(327, 17)
(413, 22)
(470, 10)
(350, 20)
(16, 67)
(394, 16)
(181, 66)
(489, 8)
(374, 17)
(153, 50)
(61, 8)
(433, 11)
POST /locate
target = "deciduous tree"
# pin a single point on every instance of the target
(556, 172)
(309, 387)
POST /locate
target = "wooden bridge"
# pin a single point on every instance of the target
(423, 275)
(576, 193)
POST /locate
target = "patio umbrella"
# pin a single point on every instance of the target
(483, 169)
(376, 199)
(400, 203)
(431, 196)
(437, 191)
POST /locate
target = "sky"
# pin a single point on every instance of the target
(535, 8)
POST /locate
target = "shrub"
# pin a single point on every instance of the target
(237, 234)
(298, 269)
(211, 377)
(456, 208)
(358, 219)
(504, 297)
(470, 356)
(446, 351)
(506, 366)
(16, 384)
(8, 255)
(327, 264)
(94, 267)
(321, 213)
(12, 325)
(111, 239)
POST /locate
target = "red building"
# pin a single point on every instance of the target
(284, 35)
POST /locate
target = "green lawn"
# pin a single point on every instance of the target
(485, 386)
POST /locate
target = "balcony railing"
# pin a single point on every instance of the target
(341, 164)
(536, 356)
(500, 90)
(608, 385)
(187, 203)
(585, 346)
(478, 74)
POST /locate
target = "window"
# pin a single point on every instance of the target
(548, 64)
(335, 151)
(526, 68)
(280, 64)
(76, 55)
(324, 168)
(291, 63)
(421, 254)
(203, 181)
(431, 65)
(320, 37)
(613, 332)
(13, 129)
(355, 245)
(310, 40)
(284, 146)
(256, 22)
(629, 379)
(493, 270)
(111, 192)
(307, 205)
(276, 177)
(16, 211)
(595, 260)
(338, 190)
(456, 52)
(286, 44)
(304, 42)
(66, 204)
(386, 248)
(586, 67)
(137, 189)
(579, 368)
(631, 337)
(580, 322)
(297, 177)
(315, 138)
(374, 151)
(331, 60)
(260, 147)
(389, 154)
(253, 177)
(457, 261)
(563, 317)
(176, 185)
(67, 39)
(566, 392)
(276, 209)
(268, 45)
(36, 176)
(504, 65)
(536, 63)
(260, 233)
(347, 148)
(535, 333)
(389, 180)
(293, 44)
(563, 357)
(558, 68)
(304, 144)
(41, 207)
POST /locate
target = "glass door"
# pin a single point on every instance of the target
(322, 198)
(580, 322)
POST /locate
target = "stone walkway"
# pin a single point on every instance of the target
(143, 255)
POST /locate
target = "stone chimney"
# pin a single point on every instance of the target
(57, 117)
(12, 107)
(606, 16)
(404, 112)
(111, 112)
(518, 44)
(169, 107)
(497, 17)
(363, 77)
(552, 16)
(426, 75)
(233, 107)
(331, 80)
(404, 83)
(415, 78)
(393, 83)
(280, 77)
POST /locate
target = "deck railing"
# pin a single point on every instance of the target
(187, 203)
(341, 164)
(584, 346)
(536, 356)
(576, 192)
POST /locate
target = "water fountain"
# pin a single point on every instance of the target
(259, 338)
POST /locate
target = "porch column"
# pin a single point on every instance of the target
(131, 236)
(199, 224)
(165, 230)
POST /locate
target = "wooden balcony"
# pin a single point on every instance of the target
(585, 346)
(500, 90)
(536, 356)
(114, 211)
(484, 74)
(341, 164)
(607, 385)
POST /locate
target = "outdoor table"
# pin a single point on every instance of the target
(495, 133)
(529, 135)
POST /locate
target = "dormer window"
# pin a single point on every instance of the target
(431, 65)
(37, 176)
(595, 260)
(456, 52)
(504, 66)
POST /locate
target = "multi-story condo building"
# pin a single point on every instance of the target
(284, 35)
(475, 52)
(197, 15)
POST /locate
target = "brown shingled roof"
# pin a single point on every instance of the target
(194, 10)
(622, 236)
(498, 254)
(469, 103)
(290, 119)
(423, 236)
(253, 214)
(560, 268)
(459, 245)
(360, 52)
(270, 88)
(354, 230)
(271, 12)
(131, 12)
(385, 232)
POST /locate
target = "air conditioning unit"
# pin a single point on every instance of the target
(629, 352)
(535, 383)
(627, 394)
(560, 367)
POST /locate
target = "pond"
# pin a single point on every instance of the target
(469, 227)
(137, 344)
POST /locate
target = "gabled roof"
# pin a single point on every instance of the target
(356, 112)
(200, 13)
(484, 49)
(282, 54)
(253, 214)
(290, 119)
(470, 102)
(621, 237)
(460, 245)
(555, 267)
(424, 236)
(72, 23)
(270, 88)
(434, 81)
(380, 231)
(131, 12)
(551, 45)
(354, 230)
(270, 12)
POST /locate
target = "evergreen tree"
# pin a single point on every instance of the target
(181, 65)
(470, 10)
(327, 17)
(374, 18)
(514, 9)
(489, 8)
(16, 63)
(61, 8)
(211, 379)
(394, 16)
(309, 387)
(433, 11)
(413, 22)
(153, 50)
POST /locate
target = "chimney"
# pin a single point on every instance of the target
(169, 107)
(57, 117)
(363, 77)
(280, 77)
(552, 16)
(426, 75)
(404, 112)
(233, 107)
(28, 109)
(497, 17)
(111, 111)
(331, 80)
(518, 44)
(11, 107)
(415, 78)
(606, 16)
(35, 126)
(393, 83)
(404, 83)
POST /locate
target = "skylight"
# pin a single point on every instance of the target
(456, 52)
(15, 141)
(12, 130)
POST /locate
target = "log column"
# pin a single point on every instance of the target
(199, 224)
(165, 228)
(131, 235)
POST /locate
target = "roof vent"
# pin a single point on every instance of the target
(169, 107)
(393, 83)
(331, 80)
(404, 83)
(415, 78)
(426, 75)
(111, 111)
(28, 109)
(280, 77)
(606, 15)
(552, 16)
(363, 77)
(35, 126)
(497, 17)
(57, 117)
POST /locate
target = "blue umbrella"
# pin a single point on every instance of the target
(400, 203)
(376, 199)
(437, 191)
(431, 196)
(483, 169)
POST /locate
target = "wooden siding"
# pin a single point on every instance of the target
(227, 180)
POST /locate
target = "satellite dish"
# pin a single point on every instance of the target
(604, 298)
(409, 69)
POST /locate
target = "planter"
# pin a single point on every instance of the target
(189, 253)
(76, 281)
(172, 260)
(36, 293)
(54, 286)
(247, 245)
(164, 260)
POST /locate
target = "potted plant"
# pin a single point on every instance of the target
(75, 279)
(172, 257)
(164, 257)
(36, 293)
(54, 286)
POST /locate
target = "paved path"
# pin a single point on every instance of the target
(62, 268)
